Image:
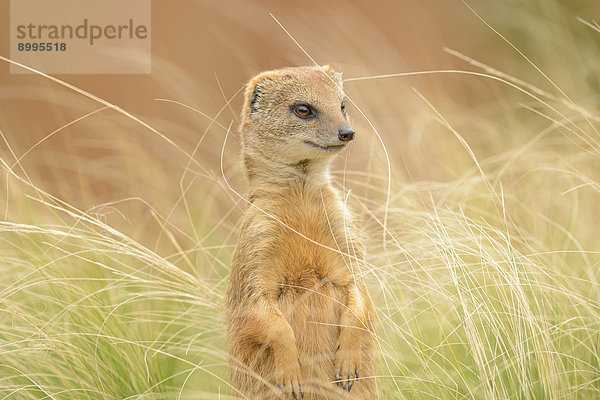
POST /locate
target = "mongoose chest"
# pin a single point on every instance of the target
(312, 245)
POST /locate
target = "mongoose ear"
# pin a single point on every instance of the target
(335, 76)
(256, 93)
(257, 87)
(260, 85)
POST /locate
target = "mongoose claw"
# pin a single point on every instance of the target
(353, 381)
(289, 383)
(347, 364)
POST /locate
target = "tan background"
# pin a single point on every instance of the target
(199, 45)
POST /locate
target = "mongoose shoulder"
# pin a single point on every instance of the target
(300, 319)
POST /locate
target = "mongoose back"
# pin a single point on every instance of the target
(300, 320)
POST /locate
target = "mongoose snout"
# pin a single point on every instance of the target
(346, 134)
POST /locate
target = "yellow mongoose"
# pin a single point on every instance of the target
(300, 320)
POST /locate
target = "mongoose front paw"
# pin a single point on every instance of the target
(347, 365)
(288, 378)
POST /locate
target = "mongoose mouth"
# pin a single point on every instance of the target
(331, 148)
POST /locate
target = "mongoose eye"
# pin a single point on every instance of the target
(343, 107)
(303, 111)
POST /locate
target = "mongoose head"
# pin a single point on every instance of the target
(295, 115)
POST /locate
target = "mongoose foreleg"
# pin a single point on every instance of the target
(266, 324)
(353, 323)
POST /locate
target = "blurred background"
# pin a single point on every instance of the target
(503, 137)
(203, 52)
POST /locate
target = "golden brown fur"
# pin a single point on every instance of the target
(296, 291)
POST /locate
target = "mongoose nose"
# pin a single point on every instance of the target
(346, 134)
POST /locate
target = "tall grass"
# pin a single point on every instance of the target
(483, 255)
